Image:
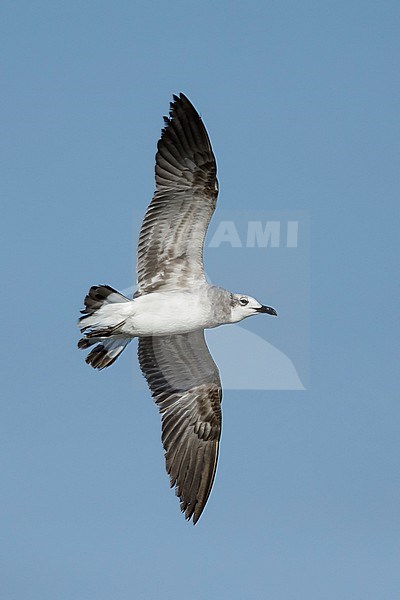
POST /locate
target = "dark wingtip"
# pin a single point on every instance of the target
(181, 100)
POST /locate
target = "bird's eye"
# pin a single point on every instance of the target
(243, 301)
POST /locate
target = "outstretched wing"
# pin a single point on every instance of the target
(170, 248)
(185, 384)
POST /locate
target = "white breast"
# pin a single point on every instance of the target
(166, 313)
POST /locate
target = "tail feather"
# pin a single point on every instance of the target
(99, 326)
(102, 332)
(98, 296)
(106, 352)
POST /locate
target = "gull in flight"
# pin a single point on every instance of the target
(172, 306)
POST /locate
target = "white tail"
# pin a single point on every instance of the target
(100, 324)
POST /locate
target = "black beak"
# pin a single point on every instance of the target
(268, 310)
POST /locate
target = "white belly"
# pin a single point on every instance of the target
(165, 313)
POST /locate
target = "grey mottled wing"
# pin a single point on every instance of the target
(170, 247)
(185, 384)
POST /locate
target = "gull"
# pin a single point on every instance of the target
(173, 305)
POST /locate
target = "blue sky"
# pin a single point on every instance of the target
(301, 102)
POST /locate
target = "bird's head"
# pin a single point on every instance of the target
(243, 306)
